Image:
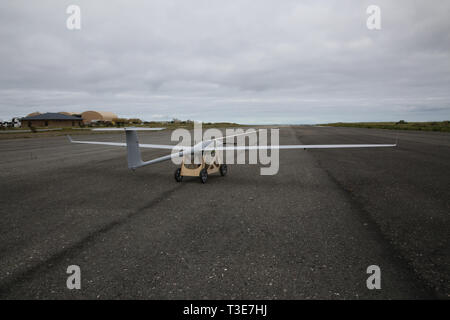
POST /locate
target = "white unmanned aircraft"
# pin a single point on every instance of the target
(213, 145)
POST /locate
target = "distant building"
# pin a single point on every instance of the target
(98, 116)
(87, 117)
(51, 120)
(68, 113)
(36, 113)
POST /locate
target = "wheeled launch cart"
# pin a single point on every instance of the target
(201, 170)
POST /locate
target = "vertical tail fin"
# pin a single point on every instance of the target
(133, 151)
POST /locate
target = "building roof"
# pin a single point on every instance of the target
(52, 116)
(98, 115)
(33, 114)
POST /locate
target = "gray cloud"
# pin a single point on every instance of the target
(244, 61)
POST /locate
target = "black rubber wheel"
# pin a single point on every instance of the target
(178, 175)
(203, 175)
(223, 170)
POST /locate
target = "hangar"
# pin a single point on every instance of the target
(36, 113)
(68, 113)
(51, 120)
(64, 118)
(98, 116)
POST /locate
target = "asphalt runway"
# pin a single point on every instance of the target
(308, 232)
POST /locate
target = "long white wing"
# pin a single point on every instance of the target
(144, 145)
(303, 146)
(135, 159)
(295, 146)
(133, 149)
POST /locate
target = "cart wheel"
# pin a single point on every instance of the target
(203, 175)
(223, 170)
(178, 175)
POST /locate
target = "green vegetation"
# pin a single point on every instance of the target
(442, 126)
(188, 124)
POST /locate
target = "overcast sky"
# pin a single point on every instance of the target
(253, 61)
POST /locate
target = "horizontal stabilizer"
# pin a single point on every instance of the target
(123, 144)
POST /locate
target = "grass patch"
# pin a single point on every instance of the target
(441, 126)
